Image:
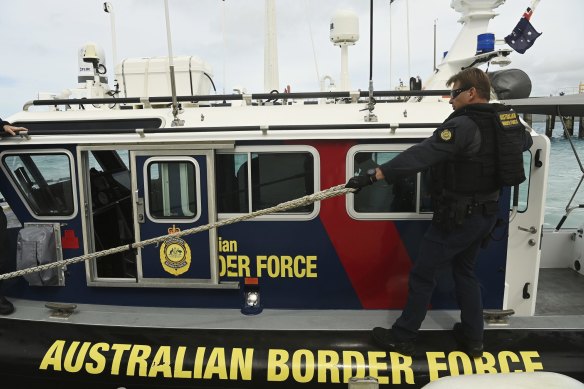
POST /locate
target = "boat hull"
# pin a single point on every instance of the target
(36, 354)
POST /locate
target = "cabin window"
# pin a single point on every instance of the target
(232, 196)
(173, 189)
(43, 181)
(524, 186)
(400, 196)
(110, 177)
(109, 160)
(255, 180)
(407, 196)
(112, 213)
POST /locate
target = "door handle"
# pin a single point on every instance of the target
(538, 162)
(531, 229)
(140, 209)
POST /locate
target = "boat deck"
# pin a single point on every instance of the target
(560, 292)
(273, 319)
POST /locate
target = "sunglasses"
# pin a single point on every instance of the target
(455, 92)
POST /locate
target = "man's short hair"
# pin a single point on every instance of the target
(473, 77)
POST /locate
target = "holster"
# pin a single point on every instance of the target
(451, 211)
(490, 208)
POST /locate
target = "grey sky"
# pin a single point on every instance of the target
(40, 41)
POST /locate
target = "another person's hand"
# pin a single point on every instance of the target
(13, 130)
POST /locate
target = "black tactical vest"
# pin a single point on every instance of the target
(477, 174)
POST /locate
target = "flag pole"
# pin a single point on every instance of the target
(534, 4)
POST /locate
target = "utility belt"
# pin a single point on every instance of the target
(451, 209)
(476, 197)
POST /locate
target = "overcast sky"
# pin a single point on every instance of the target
(40, 41)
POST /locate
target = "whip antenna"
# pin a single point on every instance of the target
(107, 7)
(371, 117)
(176, 121)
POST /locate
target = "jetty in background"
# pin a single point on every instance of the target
(569, 121)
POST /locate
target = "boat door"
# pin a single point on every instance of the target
(174, 191)
(525, 231)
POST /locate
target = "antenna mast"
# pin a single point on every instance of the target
(390, 42)
(371, 117)
(271, 49)
(435, 44)
(176, 121)
(108, 8)
(408, 36)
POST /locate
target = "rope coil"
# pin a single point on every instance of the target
(306, 200)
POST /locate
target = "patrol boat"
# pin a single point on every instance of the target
(141, 256)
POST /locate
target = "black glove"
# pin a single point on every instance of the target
(362, 180)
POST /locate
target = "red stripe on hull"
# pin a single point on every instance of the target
(372, 252)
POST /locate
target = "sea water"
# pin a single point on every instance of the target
(564, 175)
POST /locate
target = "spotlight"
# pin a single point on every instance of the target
(251, 297)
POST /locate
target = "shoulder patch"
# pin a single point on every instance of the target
(508, 119)
(447, 135)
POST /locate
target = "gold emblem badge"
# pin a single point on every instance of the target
(175, 255)
(508, 119)
(446, 135)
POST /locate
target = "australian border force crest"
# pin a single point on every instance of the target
(446, 135)
(175, 256)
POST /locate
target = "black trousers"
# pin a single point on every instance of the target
(460, 248)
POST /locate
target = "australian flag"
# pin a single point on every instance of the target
(523, 36)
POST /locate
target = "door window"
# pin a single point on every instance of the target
(172, 189)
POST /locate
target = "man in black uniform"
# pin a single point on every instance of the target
(6, 307)
(477, 150)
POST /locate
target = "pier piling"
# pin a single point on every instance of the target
(569, 121)
(550, 123)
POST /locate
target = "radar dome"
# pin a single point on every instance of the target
(344, 28)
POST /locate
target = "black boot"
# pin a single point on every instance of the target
(474, 348)
(386, 339)
(6, 307)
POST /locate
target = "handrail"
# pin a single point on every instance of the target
(32, 130)
(232, 97)
(568, 207)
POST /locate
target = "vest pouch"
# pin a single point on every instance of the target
(500, 159)
(510, 136)
(40, 244)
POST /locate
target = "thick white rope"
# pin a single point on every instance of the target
(306, 200)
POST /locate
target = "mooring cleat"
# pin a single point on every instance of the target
(497, 316)
(61, 310)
